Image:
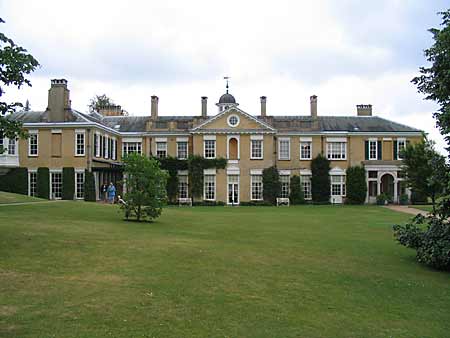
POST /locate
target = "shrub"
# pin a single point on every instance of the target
(404, 199)
(208, 204)
(320, 180)
(432, 244)
(296, 195)
(15, 181)
(356, 185)
(68, 183)
(383, 199)
(43, 183)
(271, 185)
(89, 186)
(418, 197)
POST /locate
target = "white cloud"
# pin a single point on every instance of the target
(346, 52)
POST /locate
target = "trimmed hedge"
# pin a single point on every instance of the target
(356, 185)
(43, 183)
(320, 180)
(89, 186)
(68, 183)
(208, 204)
(256, 204)
(15, 181)
(271, 185)
(296, 195)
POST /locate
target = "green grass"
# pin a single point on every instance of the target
(424, 207)
(76, 270)
(7, 197)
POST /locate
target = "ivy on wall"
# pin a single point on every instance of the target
(195, 165)
(68, 183)
(15, 181)
(43, 183)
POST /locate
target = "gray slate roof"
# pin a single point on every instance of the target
(280, 123)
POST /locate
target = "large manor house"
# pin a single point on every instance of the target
(60, 136)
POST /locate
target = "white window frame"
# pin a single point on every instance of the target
(204, 186)
(340, 155)
(288, 140)
(83, 134)
(252, 186)
(282, 185)
(341, 184)
(214, 150)
(403, 140)
(253, 140)
(32, 172)
(77, 172)
(114, 148)
(185, 181)
(97, 144)
(371, 142)
(186, 144)
(302, 143)
(51, 183)
(126, 145)
(34, 133)
(229, 120)
(161, 146)
(305, 181)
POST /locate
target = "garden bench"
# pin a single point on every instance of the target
(283, 201)
(185, 201)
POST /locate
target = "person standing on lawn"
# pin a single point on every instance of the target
(104, 191)
(111, 193)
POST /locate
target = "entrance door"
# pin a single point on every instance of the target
(233, 189)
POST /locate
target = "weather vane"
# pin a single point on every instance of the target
(226, 78)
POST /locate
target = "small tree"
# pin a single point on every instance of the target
(99, 101)
(356, 185)
(271, 185)
(68, 183)
(425, 169)
(320, 180)
(89, 186)
(146, 187)
(296, 195)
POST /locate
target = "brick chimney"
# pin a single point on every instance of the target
(58, 100)
(313, 105)
(263, 105)
(204, 106)
(111, 110)
(364, 109)
(155, 100)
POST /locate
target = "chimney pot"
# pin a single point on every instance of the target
(263, 105)
(154, 108)
(204, 106)
(364, 110)
(313, 105)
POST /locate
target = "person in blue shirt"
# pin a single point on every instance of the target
(111, 193)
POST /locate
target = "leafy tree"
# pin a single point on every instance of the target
(296, 195)
(15, 65)
(145, 187)
(89, 186)
(99, 101)
(435, 80)
(271, 185)
(68, 183)
(356, 185)
(43, 183)
(425, 169)
(320, 180)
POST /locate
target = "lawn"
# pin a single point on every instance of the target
(75, 269)
(7, 197)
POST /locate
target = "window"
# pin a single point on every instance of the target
(373, 148)
(256, 149)
(373, 188)
(284, 181)
(79, 144)
(373, 174)
(97, 144)
(284, 146)
(257, 187)
(11, 146)
(105, 146)
(337, 150)
(33, 144)
(56, 185)
(32, 180)
(305, 150)
(233, 120)
(161, 149)
(210, 187)
(401, 144)
(337, 185)
(183, 187)
(79, 184)
(182, 150)
(210, 148)
(102, 139)
(114, 149)
(131, 147)
(306, 185)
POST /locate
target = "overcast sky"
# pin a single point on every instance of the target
(347, 52)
